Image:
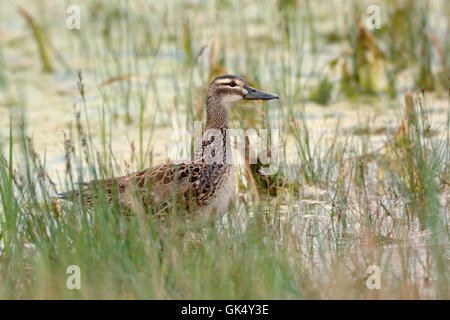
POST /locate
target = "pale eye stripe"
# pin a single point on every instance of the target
(223, 81)
(228, 81)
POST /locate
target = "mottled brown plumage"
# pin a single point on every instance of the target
(206, 182)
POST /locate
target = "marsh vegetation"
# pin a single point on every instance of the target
(363, 173)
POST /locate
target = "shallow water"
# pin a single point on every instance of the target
(49, 98)
(169, 91)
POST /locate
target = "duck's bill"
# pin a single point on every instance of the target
(254, 94)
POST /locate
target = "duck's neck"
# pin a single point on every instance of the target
(216, 113)
(215, 141)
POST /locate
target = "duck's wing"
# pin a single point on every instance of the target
(155, 185)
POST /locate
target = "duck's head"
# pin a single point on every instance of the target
(228, 89)
(223, 92)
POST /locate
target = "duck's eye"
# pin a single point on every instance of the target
(232, 84)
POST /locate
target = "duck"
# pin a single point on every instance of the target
(205, 183)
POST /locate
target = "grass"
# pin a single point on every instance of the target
(335, 207)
